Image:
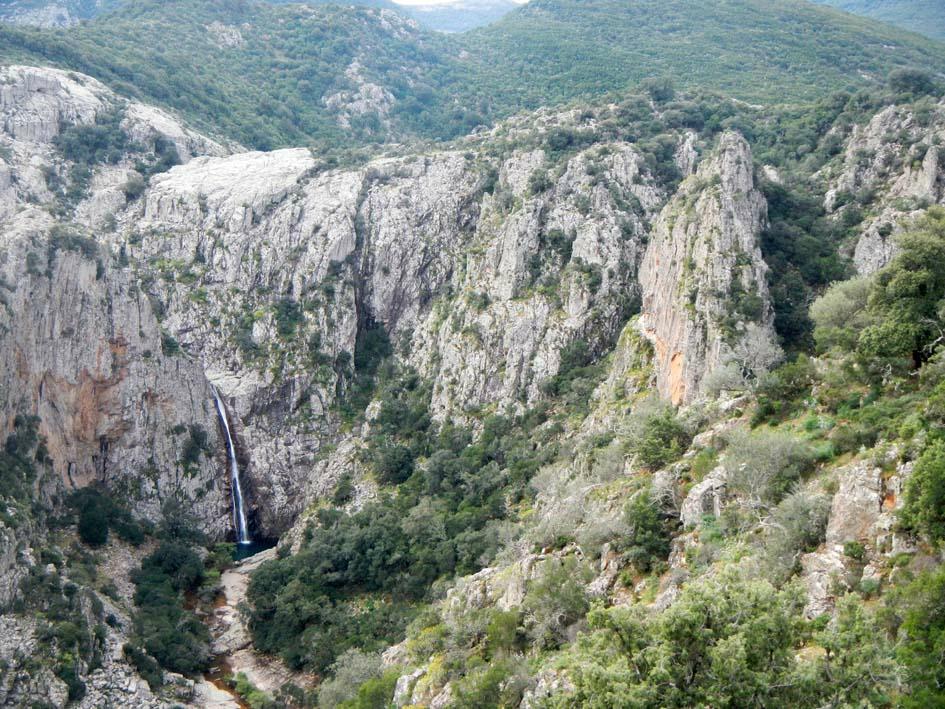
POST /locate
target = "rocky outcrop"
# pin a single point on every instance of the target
(703, 277)
(863, 511)
(892, 168)
(18, 687)
(705, 498)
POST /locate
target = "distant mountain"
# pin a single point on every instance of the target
(756, 50)
(460, 15)
(268, 75)
(923, 16)
(43, 13)
(457, 16)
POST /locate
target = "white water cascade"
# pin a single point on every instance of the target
(239, 511)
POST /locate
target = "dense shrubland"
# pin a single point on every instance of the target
(447, 517)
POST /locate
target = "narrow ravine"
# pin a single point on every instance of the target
(231, 640)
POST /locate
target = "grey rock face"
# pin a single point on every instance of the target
(415, 244)
(703, 276)
(864, 511)
(894, 166)
(83, 345)
(705, 498)
(86, 355)
(266, 269)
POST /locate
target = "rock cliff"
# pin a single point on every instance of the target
(481, 265)
(891, 168)
(703, 277)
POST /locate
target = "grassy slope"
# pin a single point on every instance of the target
(757, 50)
(923, 16)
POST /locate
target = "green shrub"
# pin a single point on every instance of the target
(497, 685)
(344, 490)
(254, 697)
(796, 526)
(134, 187)
(907, 297)
(103, 141)
(924, 508)
(393, 463)
(376, 693)
(289, 317)
(763, 465)
(650, 537)
(169, 344)
(662, 440)
(917, 606)
(555, 601)
(538, 182)
(854, 550)
(93, 522)
(146, 666)
(349, 672)
(98, 512)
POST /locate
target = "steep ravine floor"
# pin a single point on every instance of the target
(232, 644)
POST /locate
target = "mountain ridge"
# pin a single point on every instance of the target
(379, 78)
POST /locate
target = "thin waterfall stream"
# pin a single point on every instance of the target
(239, 509)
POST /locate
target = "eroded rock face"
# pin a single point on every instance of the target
(86, 356)
(82, 343)
(864, 511)
(703, 276)
(894, 166)
(266, 271)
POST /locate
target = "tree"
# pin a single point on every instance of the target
(660, 439)
(762, 465)
(648, 540)
(908, 296)
(393, 463)
(921, 638)
(93, 521)
(912, 81)
(756, 352)
(660, 89)
(840, 314)
(351, 670)
(555, 601)
(925, 493)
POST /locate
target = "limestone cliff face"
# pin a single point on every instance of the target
(523, 295)
(82, 344)
(892, 167)
(481, 264)
(84, 354)
(703, 276)
(266, 270)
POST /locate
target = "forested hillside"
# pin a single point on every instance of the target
(920, 16)
(269, 75)
(276, 75)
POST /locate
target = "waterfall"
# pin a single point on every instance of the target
(239, 511)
